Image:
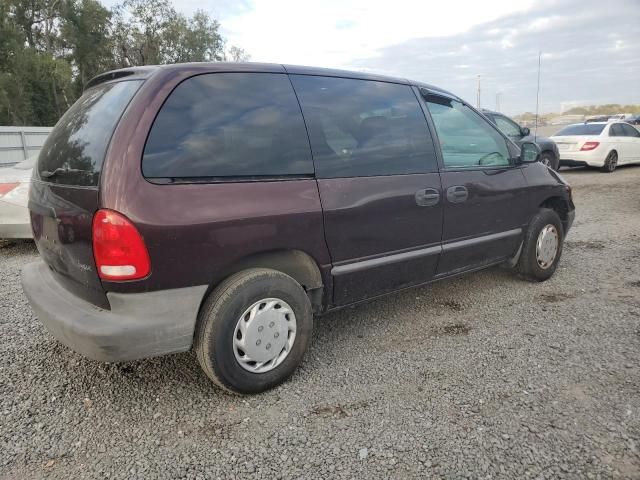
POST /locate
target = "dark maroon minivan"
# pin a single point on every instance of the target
(220, 206)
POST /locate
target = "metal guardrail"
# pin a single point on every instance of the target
(19, 143)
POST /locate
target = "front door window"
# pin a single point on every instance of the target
(467, 140)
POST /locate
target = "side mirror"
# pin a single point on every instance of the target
(525, 131)
(529, 152)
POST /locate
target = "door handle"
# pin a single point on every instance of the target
(457, 194)
(427, 197)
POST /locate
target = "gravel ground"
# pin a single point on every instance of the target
(485, 376)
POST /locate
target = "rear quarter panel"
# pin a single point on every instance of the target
(195, 233)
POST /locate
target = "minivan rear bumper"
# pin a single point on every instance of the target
(139, 325)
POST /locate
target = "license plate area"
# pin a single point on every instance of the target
(50, 230)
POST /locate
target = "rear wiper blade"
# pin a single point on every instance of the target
(59, 170)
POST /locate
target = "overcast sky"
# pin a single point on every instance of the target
(590, 48)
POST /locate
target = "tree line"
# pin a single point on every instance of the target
(49, 49)
(606, 109)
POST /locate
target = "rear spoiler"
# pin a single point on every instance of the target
(136, 72)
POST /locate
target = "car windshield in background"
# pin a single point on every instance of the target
(27, 164)
(582, 129)
(74, 151)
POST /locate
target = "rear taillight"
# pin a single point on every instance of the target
(589, 146)
(6, 188)
(118, 247)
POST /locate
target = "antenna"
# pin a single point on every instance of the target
(498, 95)
(535, 132)
(478, 96)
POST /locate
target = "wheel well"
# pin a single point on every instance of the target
(297, 264)
(560, 206)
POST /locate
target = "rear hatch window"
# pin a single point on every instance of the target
(74, 151)
(582, 129)
(64, 194)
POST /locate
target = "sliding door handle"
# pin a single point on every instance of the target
(428, 197)
(457, 194)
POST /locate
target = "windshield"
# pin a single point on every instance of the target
(74, 151)
(582, 129)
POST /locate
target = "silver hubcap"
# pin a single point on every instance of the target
(264, 335)
(547, 246)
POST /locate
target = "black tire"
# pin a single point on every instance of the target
(219, 316)
(528, 264)
(549, 159)
(610, 163)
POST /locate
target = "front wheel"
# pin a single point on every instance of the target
(542, 246)
(550, 160)
(610, 163)
(253, 330)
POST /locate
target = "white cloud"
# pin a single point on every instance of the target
(585, 55)
(334, 33)
(587, 51)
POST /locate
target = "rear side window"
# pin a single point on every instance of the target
(629, 131)
(361, 128)
(224, 125)
(616, 130)
(74, 151)
(582, 129)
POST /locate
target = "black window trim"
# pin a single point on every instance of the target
(422, 93)
(281, 178)
(226, 179)
(229, 179)
(412, 87)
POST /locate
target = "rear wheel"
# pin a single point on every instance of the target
(611, 162)
(542, 246)
(550, 160)
(253, 330)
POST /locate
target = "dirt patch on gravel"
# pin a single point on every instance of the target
(452, 305)
(338, 410)
(592, 244)
(556, 297)
(455, 329)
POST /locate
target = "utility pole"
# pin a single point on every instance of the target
(478, 98)
(498, 95)
(535, 131)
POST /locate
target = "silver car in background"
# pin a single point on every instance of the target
(14, 196)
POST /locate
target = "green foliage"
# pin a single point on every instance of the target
(237, 54)
(49, 49)
(151, 32)
(85, 33)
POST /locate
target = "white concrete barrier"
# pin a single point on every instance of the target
(19, 143)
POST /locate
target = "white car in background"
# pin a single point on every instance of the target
(598, 144)
(14, 196)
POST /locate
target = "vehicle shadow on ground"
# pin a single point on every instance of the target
(585, 170)
(367, 325)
